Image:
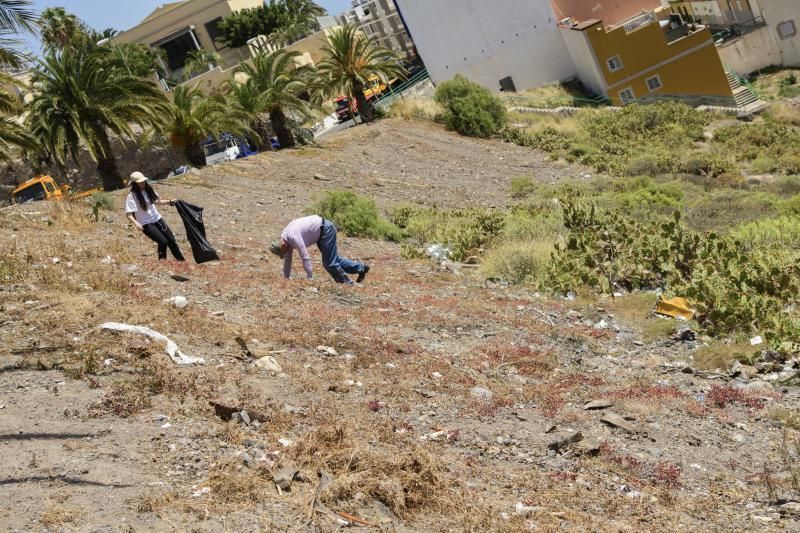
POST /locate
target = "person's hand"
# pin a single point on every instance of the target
(139, 226)
(172, 202)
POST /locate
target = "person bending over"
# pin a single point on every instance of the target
(140, 207)
(304, 232)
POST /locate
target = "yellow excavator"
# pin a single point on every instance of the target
(44, 187)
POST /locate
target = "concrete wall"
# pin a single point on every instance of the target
(751, 52)
(585, 62)
(783, 12)
(609, 11)
(487, 41)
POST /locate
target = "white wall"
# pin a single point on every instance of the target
(751, 52)
(776, 12)
(584, 59)
(487, 40)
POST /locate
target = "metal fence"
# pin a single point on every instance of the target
(397, 91)
(552, 102)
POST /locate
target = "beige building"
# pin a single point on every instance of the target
(380, 21)
(179, 28)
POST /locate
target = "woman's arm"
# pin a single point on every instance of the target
(132, 218)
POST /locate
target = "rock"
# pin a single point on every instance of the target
(245, 417)
(614, 420)
(425, 393)
(320, 177)
(601, 325)
(246, 459)
(758, 387)
(566, 441)
(179, 301)
(597, 404)
(284, 476)
(327, 350)
(481, 393)
(686, 335)
(590, 445)
(179, 278)
(268, 363)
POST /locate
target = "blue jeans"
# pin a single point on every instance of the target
(338, 267)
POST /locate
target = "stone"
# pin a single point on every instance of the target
(284, 476)
(246, 458)
(327, 350)
(179, 278)
(566, 441)
(481, 393)
(597, 404)
(758, 387)
(614, 420)
(245, 417)
(268, 363)
(590, 445)
(525, 510)
(179, 301)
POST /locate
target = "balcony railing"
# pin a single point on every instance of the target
(638, 22)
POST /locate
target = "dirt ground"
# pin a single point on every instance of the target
(439, 406)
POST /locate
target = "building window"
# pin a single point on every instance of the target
(178, 48)
(212, 28)
(787, 29)
(614, 64)
(627, 96)
(654, 83)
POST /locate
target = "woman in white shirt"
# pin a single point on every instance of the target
(141, 209)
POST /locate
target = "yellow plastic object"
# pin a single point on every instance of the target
(676, 307)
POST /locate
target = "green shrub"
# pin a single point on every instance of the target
(646, 165)
(711, 164)
(518, 261)
(781, 232)
(356, 215)
(101, 201)
(790, 164)
(522, 186)
(787, 185)
(790, 206)
(470, 109)
(751, 141)
(722, 209)
(546, 138)
(764, 165)
(464, 231)
(533, 224)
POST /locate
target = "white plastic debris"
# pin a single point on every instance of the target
(438, 253)
(178, 301)
(755, 341)
(285, 442)
(171, 349)
(437, 375)
(201, 492)
(109, 362)
(524, 510)
(55, 260)
(166, 425)
(107, 260)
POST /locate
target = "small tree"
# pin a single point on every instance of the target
(199, 61)
(351, 60)
(470, 109)
(61, 29)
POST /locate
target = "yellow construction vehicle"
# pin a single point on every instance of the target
(44, 187)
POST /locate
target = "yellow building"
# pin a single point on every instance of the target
(179, 28)
(650, 55)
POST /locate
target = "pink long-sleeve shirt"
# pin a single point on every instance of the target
(299, 235)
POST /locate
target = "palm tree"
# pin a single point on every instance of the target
(278, 81)
(352, 59)
(200, 61)
(15, 18)
(194, 117)
(244, 98)
(81, 98)
(61, 29)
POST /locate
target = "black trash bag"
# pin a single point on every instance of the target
(192, 217)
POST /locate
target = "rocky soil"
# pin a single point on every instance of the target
(427, 399)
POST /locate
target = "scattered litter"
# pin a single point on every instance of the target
(107, 260)
(268, 363)
(55, 260)
(178, 301)
(686, 335)
(171, 349)
(436, 375)
(166, 425)
(525, 510)
(109, 362)
(356, 519)
(438, 253)
(285, 442)
(755, 341)
(601, 325)
(201, 492)
(677, 307)
(327, 350)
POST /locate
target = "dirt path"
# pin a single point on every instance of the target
(438, 412)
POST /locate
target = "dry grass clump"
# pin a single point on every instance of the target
(415, 108)
(407, 480)
(58, 516)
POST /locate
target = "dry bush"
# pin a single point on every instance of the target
(407, 480)
(57, 516)
(415, 108)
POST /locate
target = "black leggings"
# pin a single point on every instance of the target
(162, 235)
